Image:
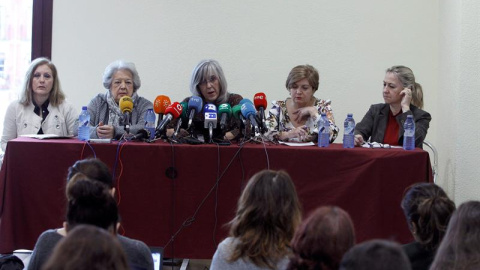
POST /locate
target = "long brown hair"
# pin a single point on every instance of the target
(268, 213)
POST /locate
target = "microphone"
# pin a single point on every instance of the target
(260, 101)
(142, 134)
(210, 111)
(183, 117)
(248, 111)
(159, 106)
(126, 106)
(194, 105)
(172, 112)
(225, 111)
(237, 112)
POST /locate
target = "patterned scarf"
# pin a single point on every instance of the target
(115, 116)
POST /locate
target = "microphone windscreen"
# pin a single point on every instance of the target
(237, 111)
(126, 104)
(175, 109)
(184, 110)
(225, 108)
(209, 107)
(247, 109)
(260, 101)
(195, 103)
(245, 100)
(161, 103)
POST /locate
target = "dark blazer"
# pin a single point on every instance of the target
(374, 123)
(420, 258)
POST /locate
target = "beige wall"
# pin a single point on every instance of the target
(351, 43)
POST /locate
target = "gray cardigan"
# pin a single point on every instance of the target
(98, 109)
(374, 123)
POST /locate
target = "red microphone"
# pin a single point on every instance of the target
(260, 101)
(171, 112)
(160, 105)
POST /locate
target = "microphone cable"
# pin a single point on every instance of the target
(83, 150)
(191, 219)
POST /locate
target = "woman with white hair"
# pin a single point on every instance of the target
(120, 79)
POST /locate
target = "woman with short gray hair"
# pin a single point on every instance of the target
(107, 120)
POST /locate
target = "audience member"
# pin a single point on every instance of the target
(375, 255)
(85, 200)
(427, 209)
(267, 215)
(460, 248)
(383, 123)
(87, 247)
(296, 118)
(322, 239)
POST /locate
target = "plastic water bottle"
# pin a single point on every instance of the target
(348, 132)
(84, 125)
(323, 131)
(150, 123)
(409, 133)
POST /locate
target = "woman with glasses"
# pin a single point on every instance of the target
(107, 120)
(296, 118)
(42, 108)
(208, 83)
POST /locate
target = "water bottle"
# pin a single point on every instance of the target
(348, 132)
(323, 131)
(150, 123)
(409, 133)
(84, 125)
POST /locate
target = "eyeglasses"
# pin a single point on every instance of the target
(212, 79)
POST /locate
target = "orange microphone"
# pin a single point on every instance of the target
(160, 105)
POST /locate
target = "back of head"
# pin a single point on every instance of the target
(322, 239)
(92, 168)
(303, 72)
(375, 255)
(460, 248)
(88, 247)
(407, 78)
(427, 209)
(267, 215)
(91, 203)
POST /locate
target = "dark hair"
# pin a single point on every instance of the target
(460, 248)
(88, 247)
(429, 209)
(375, 255)
(91, 203)
(92, 168)
(322, 239)
(267, 215)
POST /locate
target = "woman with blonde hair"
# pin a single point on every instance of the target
(267, 215)
(42, 108)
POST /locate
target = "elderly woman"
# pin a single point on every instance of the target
(296, 118)
(383, 123)
(120, 79)
(42, 108)
(208, 82)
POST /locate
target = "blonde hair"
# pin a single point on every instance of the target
(303, 72)
(406, 77)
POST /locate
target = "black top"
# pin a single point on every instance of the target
(419, 257)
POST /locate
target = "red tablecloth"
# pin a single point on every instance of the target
(368, 183)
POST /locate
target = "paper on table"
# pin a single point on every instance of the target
(297, 143)
(46, 136)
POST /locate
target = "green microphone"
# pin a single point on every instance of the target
(225, 111)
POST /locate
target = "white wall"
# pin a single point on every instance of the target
(351, 43)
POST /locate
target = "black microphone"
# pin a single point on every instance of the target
(142, 135)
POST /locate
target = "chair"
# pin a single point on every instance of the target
(435, 159)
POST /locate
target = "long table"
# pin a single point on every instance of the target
(181, 196)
